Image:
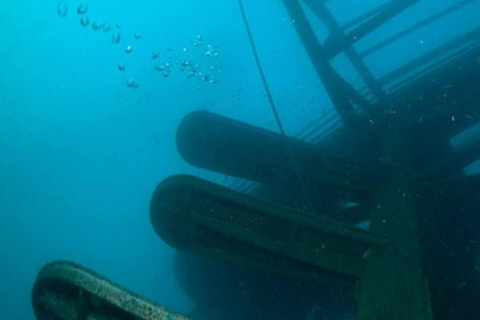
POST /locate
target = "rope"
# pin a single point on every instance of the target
(288, 146)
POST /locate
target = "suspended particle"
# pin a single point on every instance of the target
(96, 26)
(115, 37)
(137, 35)
(118, 25)
(82, 8)
(84, 21)
(121, 66)
(155, 54)
(128, 49)
(169, 48)
(106, 27)
(62, 9)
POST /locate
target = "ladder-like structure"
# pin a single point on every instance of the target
(402, 136)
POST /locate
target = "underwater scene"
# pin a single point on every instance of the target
(240, 160)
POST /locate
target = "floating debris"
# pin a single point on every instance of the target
(137, 35)
(121, 67)
(84, 21)
(155, 54)
(106, 27)
(116, 37)
(128, 49)
(96, 26)
(131, 83)
(62, 9)
(82, 8)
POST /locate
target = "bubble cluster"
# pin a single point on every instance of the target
(165, 69)
(194, 70)
(190, 60)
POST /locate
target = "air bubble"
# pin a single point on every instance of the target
(197, 41)
(155, 55)
(166, 72)
(106, 27)
(82, 8)
(211, 51)
(62, 9)
(115, 37)
(137, 35)
(96, 26)
(128, 49)
(84, 21)
(121, 66)
(131, 83)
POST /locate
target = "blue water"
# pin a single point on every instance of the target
(81, 152)
(81, 149)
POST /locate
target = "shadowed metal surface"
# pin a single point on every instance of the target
(198, 216)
